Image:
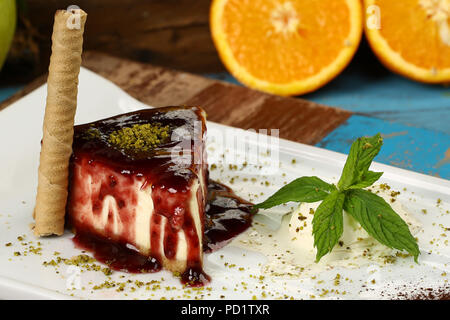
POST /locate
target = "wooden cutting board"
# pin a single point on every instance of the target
(297, 119)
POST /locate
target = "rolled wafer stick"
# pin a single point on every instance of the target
(62, 82)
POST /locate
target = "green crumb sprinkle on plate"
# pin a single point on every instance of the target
(139, 137)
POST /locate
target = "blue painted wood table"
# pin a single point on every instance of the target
(413, 118)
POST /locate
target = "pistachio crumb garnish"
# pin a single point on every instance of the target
(139, 137)
(92, 133)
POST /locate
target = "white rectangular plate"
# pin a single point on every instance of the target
(26, 276)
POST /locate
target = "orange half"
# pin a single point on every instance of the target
(411, 37)
(286, 47)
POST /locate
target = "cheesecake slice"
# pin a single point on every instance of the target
(139, 180)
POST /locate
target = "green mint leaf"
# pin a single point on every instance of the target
(380, 221)
(367, 180)
(304, 189)
(361, 154)
(328, 223)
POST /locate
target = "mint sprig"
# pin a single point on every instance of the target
(328, 223)
(304, 189)
(374, 214)
(356, 172)
(377, 217)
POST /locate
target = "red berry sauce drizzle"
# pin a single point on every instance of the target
(226, 216)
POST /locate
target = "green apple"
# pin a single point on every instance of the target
(7, 27)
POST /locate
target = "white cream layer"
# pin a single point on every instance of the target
(144, 211)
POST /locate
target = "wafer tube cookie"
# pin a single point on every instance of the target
(65, 61)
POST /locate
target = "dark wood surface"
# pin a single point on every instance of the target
(298, 120)
(171, 33)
